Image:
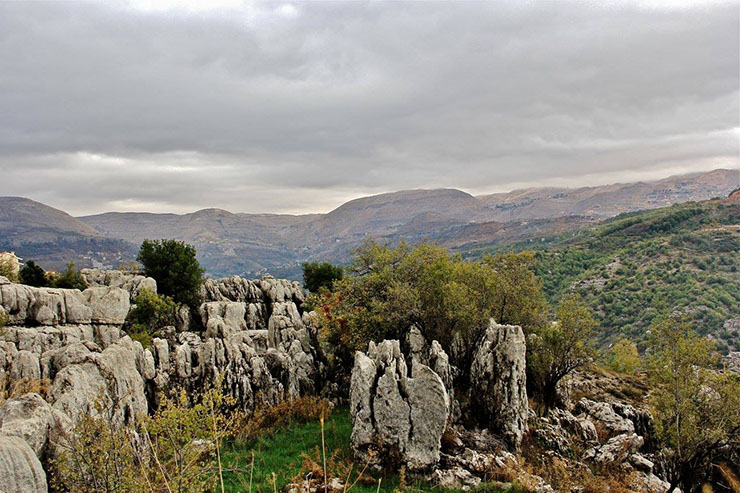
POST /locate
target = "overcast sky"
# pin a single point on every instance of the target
(298, 107)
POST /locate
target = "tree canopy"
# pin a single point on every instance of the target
(32, 274)
(174, 266)
(386, 290)
(320, 275)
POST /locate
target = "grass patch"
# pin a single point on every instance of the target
(281, 453)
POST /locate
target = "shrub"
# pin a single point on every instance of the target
(69, 279)
(268, 419)
(152, 313)
(556, 350)
(33, 275)
(174, 266)
(695, 405)
(176, 449)
(8, 268)
(320, 275)
(623, 357)
(387, 290)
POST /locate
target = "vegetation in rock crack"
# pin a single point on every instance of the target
(174, 266)
(695, 403)
(151, 313)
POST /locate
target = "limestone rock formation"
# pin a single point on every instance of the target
(20, 469)
(498, 382)
(131, 282)
(33, 419)
(395, 415)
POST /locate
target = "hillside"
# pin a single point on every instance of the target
(610, 200)
(255, 244)
(53, 238)
(637, 266)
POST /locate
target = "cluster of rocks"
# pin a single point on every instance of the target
(399, 416)
(258, 344)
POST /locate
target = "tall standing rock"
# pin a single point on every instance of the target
(394, 416)
(499, 382)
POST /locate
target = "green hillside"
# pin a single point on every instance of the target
(637, 266)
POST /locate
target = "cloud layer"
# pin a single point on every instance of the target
(274, 107)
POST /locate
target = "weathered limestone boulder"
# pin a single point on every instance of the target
(33, 419)
(617, 450)
(131, 282)
(53, 307)
(109, 305)
(223, 318)
(20, 469)
(110, 376)
(498, 382)
(394, 415)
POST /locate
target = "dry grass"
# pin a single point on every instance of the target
(266, 420)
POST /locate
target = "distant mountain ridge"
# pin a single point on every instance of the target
(254, 244)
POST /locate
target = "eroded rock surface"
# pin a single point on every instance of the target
(499, 382)
(396, 416)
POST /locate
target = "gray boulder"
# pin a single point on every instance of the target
(33, 419)
(20, 469)
(499, 383)
(394, 415)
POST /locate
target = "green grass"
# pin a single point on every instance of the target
(280, 453)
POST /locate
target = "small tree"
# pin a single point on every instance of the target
(556, 350)
(320, 275)
(623, 357)
(151, 314)
(69, 279)
(696, 405)
(33, 275)
(173, 265)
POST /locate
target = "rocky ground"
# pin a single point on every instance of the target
(261, 344)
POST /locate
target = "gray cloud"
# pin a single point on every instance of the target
(296, 108)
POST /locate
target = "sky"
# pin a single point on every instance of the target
(174, 106)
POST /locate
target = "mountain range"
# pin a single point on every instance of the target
(255, 244)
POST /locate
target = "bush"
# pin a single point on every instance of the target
(320, 275)
(387, 290)
(696, 406)
(557, 349)
(266, 420)
(8, 268)
(174, 266)
(623, 357)
(33, 275)
(151, 313)
(69, 279)
(176, 449)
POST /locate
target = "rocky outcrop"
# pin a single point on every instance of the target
(396, 417)
(131, 282)
(498, 382)
(20, 469)
(30, 306)
(34, 420)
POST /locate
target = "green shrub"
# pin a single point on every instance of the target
(8, 268)
(151, 313)
(320, 275)
(387, 290)
(175, 268)
(69, 279)
(623, 357)
(33, 275)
